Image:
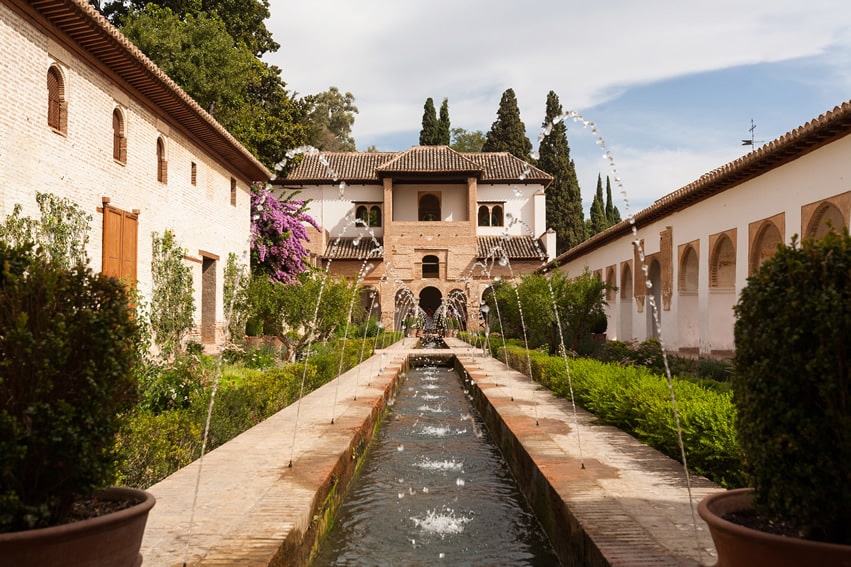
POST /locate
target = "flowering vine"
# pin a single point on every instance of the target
(278, 233)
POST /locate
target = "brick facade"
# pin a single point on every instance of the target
(194, 198)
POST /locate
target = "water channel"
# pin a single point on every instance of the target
(433, 489)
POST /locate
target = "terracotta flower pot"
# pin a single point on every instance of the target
(111, 540)
(739, 546)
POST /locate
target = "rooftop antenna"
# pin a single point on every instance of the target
(751, 142)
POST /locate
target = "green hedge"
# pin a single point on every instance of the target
(156, 442)
(639, 402)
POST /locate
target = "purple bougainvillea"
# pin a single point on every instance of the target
(278, 233)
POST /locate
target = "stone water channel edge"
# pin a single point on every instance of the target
(628, 506)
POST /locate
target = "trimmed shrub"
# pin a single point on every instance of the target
(792, 386)
(69, 348)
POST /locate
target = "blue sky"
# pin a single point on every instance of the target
(672, 86)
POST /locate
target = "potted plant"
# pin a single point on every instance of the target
(69, 349)
(792, 391)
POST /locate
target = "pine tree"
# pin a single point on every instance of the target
(508, 133)
(443, 126)
(598, 209)
(613, 215)
(428, 135)
(564, 199)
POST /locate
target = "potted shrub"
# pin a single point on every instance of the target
(792, 391)
(69, 348)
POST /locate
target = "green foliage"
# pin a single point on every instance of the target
(428, 134)
(170, 386)
(237, 280)
(597, 214)
(172, 303)
(157, 443)
(613, 215)
(69, 347)
(792, 386)
(196, 46)
(564, 198)
(61, 233)
(508, 133)
(639, 402)
(443, 125)
(330, 116)
(467, 141)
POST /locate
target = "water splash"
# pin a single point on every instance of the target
(442, 522)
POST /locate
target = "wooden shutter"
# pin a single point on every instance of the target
(120, 243)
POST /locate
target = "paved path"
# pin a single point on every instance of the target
(628, 506)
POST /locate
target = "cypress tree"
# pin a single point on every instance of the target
(598, 209)
(428, 135)
(564, 199)
(508, 133)
(613, 215)
(443, 127)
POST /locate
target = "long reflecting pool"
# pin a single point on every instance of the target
(434, 490)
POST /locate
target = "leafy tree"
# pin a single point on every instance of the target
(244, 19)
(443, 126)
(467, 141)
(428, 135)
(613, 215)
(222, 75)
(599, 222)
(330, 116)
(172, 303)
(564, 198)
(508, 133)
(277, 234)
(580, 302)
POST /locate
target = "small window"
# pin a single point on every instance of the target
(375, 215)
(119, 140)
(429, 208)
(484, 216)
(162, 164)
(361, 214)
(233, 192)
(431, 267)
(194, 174)
(56, 105)
(496, 216)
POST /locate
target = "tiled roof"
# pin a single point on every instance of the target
(513, 247)
(438, 161)
(828, 127)
(431, 160)
(354, 249)
(86, 27)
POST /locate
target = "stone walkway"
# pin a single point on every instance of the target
(628, 506)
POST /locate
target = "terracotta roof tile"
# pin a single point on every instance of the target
(514, 247)
(369, 167)
(345, 249)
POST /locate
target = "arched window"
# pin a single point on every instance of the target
(496, 215)
(119, 140)
(162, 164)
(764, 245)
(484, 216)
(362, 214)
(611, 284)
(56, 104)
(689, 270)
(429, 207)
(375, 215)
(626, 282)
(723, 268)
(431, 267)
(828, 217)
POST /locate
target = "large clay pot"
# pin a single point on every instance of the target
(111, 540)
(739, 546)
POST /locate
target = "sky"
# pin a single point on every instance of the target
(673, 87)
